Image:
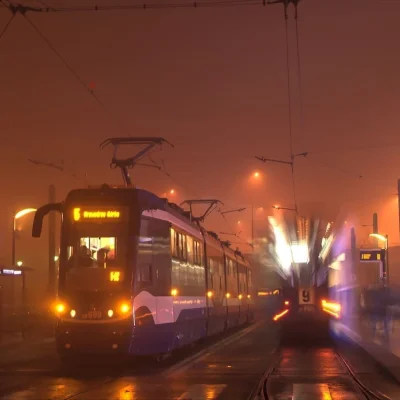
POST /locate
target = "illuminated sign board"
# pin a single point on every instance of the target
(372, 255)
(5, 271)
(115, 276)
(80, 214)
(263, 293)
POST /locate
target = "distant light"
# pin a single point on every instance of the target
(172, 191)
(55, 258)
(21, 213)
(19, 263)
(239, 222)
(256, 174)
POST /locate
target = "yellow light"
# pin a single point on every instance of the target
(240, 296)
(248, 296)
(286, 303)
(124, 308)
(256, 174)
(378, 236)
(263, 294)
(277, 316)
(333, 307)
(172, 191)
(228, 295)
(60, 308)
(19, 263)
(209, 294)
(23, 212)
(72, 313)
(174, 292)
(77, 214)
(114, 276)
(110, 313)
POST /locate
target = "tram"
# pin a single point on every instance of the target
(138, 276)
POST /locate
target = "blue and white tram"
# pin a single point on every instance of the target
(137, 276)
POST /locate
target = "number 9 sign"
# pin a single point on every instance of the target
(306, 296)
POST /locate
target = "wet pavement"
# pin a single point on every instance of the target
(311, 374)
(229, 369)
(318, 373)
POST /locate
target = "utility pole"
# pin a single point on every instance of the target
(398, 199)
(252, 227)
(52, 243)
(375, 223)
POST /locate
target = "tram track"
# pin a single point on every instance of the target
(265, 388)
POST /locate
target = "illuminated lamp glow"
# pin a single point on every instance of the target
(60, 308)
(174, 292)
(331, 308)
(124, 308)
(278, 316)
(300, 253)
(282, 247)
(21, 213)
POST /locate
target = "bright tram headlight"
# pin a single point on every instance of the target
(124, 308)
(60, 308)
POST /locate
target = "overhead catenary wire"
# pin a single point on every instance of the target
(290, 106)
(146, 6)
(7, 25)
(299, 76)
(75, 74)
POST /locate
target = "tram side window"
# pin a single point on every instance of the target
(189, 249)
(196, 252)
(211, 272)
(179, 245)
(183, 247)
(249, 282)
(173, 242)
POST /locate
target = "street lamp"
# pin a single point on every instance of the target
(16, 216)
(384, 238)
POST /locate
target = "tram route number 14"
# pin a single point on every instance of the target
(306, 296)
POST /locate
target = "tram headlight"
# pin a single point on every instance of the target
(110, 313)
(124, 308)
(60, 308)
(72, 313)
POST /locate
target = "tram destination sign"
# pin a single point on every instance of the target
(372, 255)
(97, 214)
